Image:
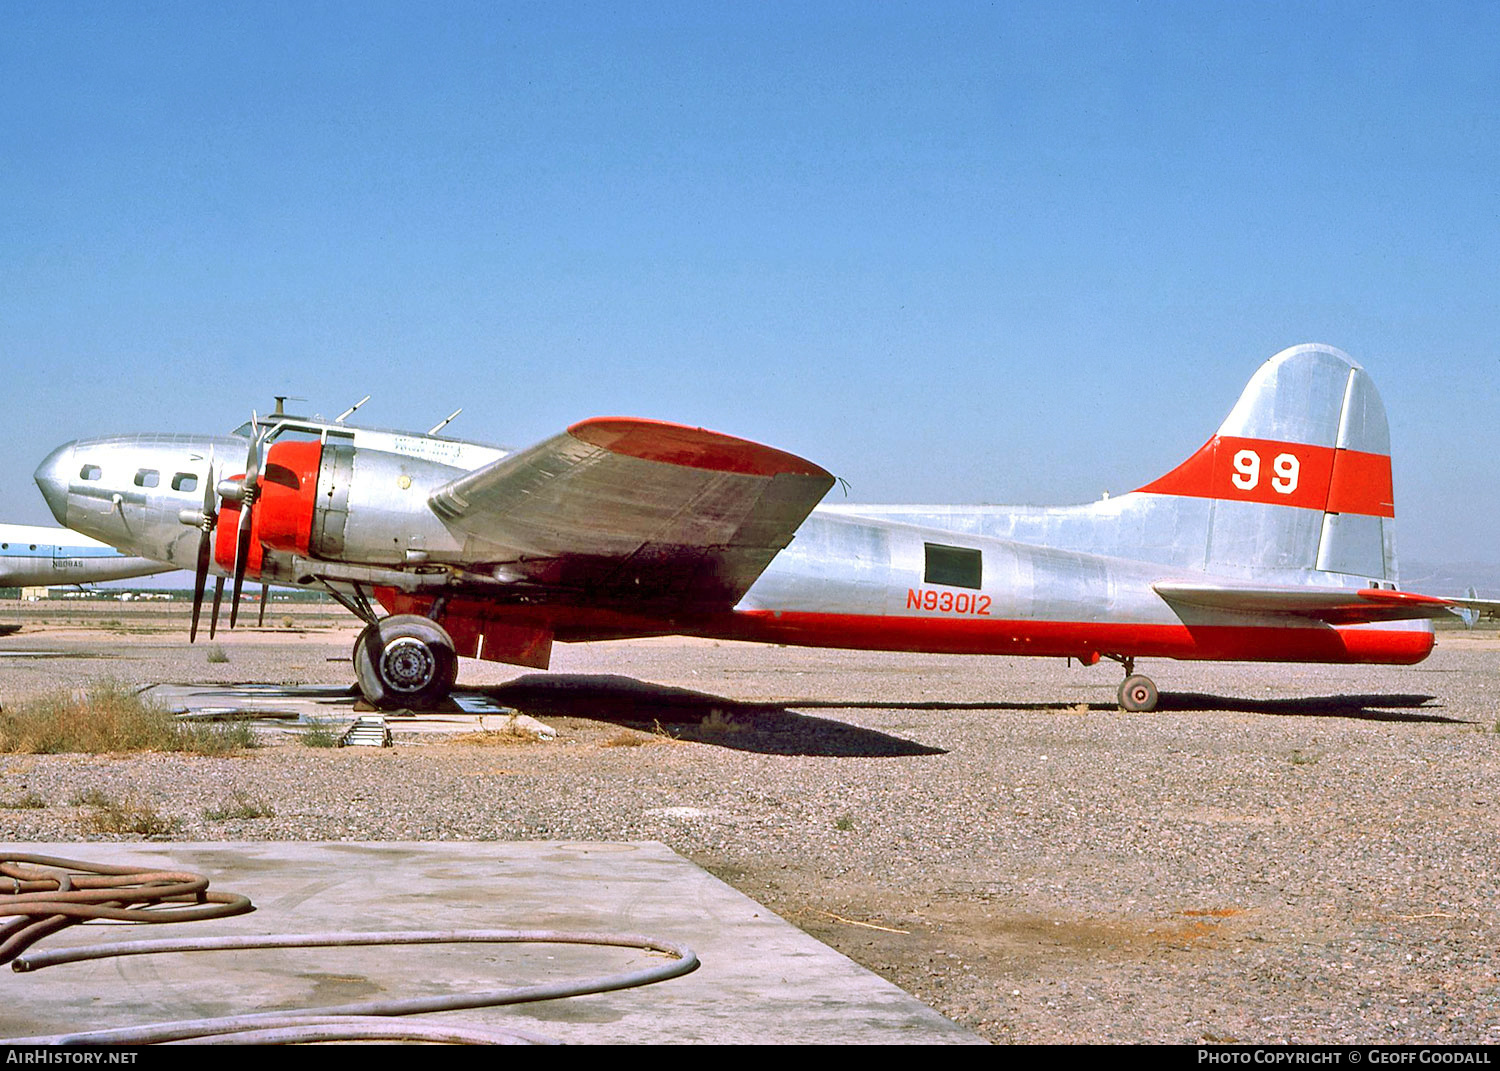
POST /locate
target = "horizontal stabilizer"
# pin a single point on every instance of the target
(621, 508)
(1334, 606)
(1473, 610)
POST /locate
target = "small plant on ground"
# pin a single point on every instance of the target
(494, 738)
(127, 815)
(217, 654)
(509, 730)
(239, 806)
(843, 823)
(108, 717)
(661, 732)
(216, 737)
(626, 738)
(721, 721)
(27, 801)
(319, 734)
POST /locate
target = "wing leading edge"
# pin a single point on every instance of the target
(642, 510)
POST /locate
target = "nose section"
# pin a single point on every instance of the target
(52, 477)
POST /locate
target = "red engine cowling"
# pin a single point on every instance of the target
(283, 514)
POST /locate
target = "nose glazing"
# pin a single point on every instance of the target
(52, 477)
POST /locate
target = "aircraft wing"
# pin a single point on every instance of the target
(637, 510)
(1336, 606)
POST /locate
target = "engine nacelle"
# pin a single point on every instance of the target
(283, 514)
(335, 502)
(288, 496)
(372, 508)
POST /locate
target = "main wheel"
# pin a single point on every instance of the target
(405, 661)
(1138, 694)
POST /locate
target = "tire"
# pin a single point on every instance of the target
(358, 643)
(405, 662)
(1138, 694)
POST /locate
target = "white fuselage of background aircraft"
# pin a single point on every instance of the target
(34, 557)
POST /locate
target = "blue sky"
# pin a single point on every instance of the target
(1013, 252)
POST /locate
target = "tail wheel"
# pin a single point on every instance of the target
(405, 661)
(1138, 694)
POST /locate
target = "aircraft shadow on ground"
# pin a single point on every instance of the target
(779, 728)
(1393, 708)
(768, 728)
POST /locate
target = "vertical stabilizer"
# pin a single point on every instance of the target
(1298, 476)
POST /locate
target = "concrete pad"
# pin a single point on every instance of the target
(761, 980)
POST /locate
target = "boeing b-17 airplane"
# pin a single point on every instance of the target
(1273, 542)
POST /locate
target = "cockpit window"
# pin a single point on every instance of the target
(147, 478)
(184, 481)
(90, 472)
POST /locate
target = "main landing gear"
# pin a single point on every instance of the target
(405, 661)
(1138, 693)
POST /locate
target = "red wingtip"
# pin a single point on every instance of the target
(698, 448)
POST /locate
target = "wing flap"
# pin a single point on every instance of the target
(637, 510)
(1334, 606)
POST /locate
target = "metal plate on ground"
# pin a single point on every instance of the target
(313, 703)
(761, 980)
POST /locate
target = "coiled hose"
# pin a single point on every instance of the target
(49, 893)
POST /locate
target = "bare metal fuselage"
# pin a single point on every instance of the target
(1075, 581)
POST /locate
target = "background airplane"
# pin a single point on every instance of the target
(33, 557)
(1273, 542)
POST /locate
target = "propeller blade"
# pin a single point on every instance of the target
(251, 490)
(265, 591)
(252, 462)
(213, 620)
(205, 546)
(200, 577)
(241, 556)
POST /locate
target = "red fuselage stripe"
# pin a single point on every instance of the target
(1057, 639)
(1230, 643)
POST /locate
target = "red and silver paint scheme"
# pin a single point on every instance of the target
(1273, 542)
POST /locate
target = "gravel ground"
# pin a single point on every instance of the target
(1281, 854)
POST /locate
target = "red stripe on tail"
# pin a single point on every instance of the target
(1283, 474)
